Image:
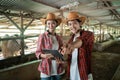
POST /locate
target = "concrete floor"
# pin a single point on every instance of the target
(104, 64)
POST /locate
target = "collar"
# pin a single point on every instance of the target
(49, 33)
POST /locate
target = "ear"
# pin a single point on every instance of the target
(82, 19)
(81, 23)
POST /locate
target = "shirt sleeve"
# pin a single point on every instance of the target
(87, 44)
(88, 41)
(39, 46)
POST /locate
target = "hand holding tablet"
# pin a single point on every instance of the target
(55, 53)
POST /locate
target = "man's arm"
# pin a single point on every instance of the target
(68, 48)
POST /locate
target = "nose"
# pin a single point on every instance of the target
(51, 25)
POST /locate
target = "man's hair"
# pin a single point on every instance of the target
(78, 20)
(54, 20)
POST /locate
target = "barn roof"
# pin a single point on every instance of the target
(98, 11)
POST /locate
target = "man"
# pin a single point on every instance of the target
(79, 49)
(50, 68)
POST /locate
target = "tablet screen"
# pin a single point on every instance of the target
(55, 53)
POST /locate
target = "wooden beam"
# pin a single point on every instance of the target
(39, 1)
(109, 20)
(104, 8)
(13, 22)
(98, 9)
(107, 0)
(19, 37)
(101, 15)
(17, 15)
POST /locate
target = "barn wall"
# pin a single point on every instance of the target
(104, 45)
(26, 71)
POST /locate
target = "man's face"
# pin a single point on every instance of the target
(51, 24)
(74, 26)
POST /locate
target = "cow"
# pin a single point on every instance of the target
(11, 47)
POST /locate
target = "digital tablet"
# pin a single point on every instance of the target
(55, 53)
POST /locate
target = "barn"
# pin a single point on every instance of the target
(20, 26)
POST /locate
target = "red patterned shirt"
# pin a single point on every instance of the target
(84, 54)
(45, 42)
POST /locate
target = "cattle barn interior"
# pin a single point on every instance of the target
(20, 25)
